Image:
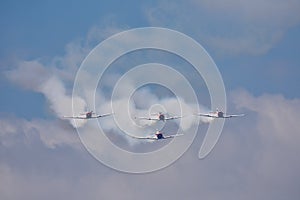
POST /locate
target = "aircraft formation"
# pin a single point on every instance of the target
(156, 117)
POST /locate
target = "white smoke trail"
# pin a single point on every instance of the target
(144, 103)
(54, 87)
(60, 102)
(126, 110)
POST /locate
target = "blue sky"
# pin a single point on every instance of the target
(255, 46)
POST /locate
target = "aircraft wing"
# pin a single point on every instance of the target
(229, 116)
(143, 138)
(205, 115)
(104, 115)
(155, 138)
(74, 117)
(172, 136)
(173, 117)
(147, 118)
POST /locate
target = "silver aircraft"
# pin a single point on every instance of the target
(157, 136)
(159, 117)
(87, 115)
(218, 114)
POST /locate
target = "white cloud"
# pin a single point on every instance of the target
(51, 133)
(276, 12)
(276, 115)
(53, 80)
(274, 121)
(29, 74)
(256, 157)
(35, 185)
(230, 27)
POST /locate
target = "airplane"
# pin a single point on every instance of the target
(87, 115)
(158, 136)
(219, 114)
(159, 117)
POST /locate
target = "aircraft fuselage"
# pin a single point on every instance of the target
(220, 114)
(88, 115)
(159, 136)
(161, 117)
